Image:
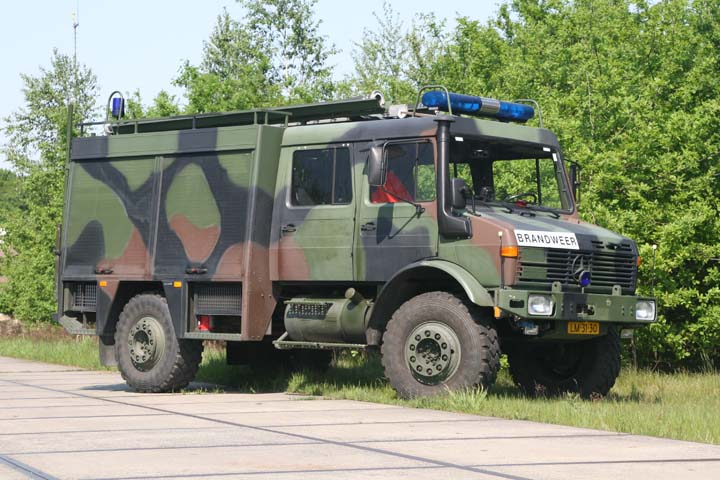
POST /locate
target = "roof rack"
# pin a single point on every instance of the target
(356, 107)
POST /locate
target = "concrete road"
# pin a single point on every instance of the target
(60, 422)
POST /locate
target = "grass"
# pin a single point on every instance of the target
(682, 406)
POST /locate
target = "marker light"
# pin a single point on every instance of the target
(487, 107)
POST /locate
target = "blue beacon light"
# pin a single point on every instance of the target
(118, 107)
(472, 105)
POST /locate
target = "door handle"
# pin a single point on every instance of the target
(289, 228)
(368, 227)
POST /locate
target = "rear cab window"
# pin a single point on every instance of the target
(321, 177)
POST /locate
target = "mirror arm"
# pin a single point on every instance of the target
(419, 209)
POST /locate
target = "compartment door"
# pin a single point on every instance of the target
(314, 225)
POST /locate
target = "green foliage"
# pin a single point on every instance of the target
(164, 105)
(275, 55)
(631, 89)
(397, 61)
(9, 195)
(36, 149)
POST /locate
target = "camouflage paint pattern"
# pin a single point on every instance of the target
(213, 205)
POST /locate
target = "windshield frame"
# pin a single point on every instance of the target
(561, 174)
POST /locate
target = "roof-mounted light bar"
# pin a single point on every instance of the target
(481, 106)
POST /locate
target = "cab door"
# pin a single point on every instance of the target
(314, 226)
(390, 231)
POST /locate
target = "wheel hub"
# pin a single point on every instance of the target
(432, 352)
(146, 343)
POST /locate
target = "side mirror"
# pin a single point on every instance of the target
(376, 166)
(457, 193)
(575, 179)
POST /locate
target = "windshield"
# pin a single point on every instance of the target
(514, 174)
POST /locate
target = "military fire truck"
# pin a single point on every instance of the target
(441, 233)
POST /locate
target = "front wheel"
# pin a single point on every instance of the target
(435, 343)
(149, 355)
(588, 368)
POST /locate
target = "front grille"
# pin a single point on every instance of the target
(217, 299)
(84, 296)
(609, 266)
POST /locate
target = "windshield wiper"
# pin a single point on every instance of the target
(540, 208)
(508, 208)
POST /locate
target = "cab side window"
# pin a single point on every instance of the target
(410, 174)
(321, 177)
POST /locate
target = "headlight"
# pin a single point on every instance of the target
(645, 310)
(540, 305)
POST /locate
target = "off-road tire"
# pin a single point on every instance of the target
(178, 363)
(588, 368)
(477, 354)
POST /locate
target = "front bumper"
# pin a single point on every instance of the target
(569, 306)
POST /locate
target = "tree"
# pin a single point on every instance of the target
(233, 74)
(631, 89)
(164, 105)
(37, 138)
(398, 61)
(274, 55)
(9, 196)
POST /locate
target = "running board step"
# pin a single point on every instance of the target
(74, 327)
(282, 344)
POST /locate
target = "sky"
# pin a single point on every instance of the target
(140, 45)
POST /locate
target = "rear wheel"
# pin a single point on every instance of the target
(150, 356)
(588, 368)
(435, 343)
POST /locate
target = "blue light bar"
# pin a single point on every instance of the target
(471, 105)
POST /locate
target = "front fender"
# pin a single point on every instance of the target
(401, 288)
(474, 291)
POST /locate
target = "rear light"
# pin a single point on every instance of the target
(204, 323)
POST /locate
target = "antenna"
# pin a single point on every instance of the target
(75, 24)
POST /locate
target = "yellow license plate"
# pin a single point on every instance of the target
(583, 328)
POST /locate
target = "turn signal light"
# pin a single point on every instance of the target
(509, 252)
(639, 260)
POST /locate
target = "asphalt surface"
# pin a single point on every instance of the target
(60, 422)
